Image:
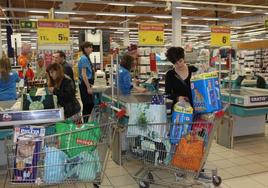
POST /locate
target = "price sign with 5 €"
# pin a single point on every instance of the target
(151, 34)
(53, 31)
(220, 36)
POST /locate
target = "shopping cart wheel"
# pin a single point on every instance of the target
(96, 185)
(144, 184)
(216, 180)
(150, 177)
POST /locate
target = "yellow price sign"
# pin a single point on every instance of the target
(53, 31)
(220, 36)
(151, 34)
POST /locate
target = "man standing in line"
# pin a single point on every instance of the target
(60, 57)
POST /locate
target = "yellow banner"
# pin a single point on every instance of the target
(53, 31)
(151, 34)
(220, 36)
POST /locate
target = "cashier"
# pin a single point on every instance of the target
(8, 79)
(124, 76)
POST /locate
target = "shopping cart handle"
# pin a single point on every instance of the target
(219, 114)
(103, 105)
(121, 113)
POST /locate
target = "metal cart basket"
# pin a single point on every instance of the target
(183, 154)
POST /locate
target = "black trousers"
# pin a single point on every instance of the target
(87, 101)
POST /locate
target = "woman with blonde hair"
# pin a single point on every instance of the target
(62, 86)
(8, 79)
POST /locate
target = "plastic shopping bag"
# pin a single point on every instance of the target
(188, 155)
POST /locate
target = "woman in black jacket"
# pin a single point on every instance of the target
(62, 86)
(177, 82)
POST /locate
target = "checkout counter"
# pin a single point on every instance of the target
(248, 110)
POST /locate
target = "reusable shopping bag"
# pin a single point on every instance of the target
(85, 137)
(54, 166)
(188, 155)
(142, 120)
(85, 166)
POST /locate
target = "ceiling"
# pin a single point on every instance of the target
(246, 17)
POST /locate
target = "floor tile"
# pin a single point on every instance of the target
(243, 182)
(223, 163)
(237, 171)
(224, 174)
(214, 157)
(256, 158)
(122, 180)
(255, 167)
(240, 161)
(117, 171)
(260, 178)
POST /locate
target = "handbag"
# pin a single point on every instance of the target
(189, 154)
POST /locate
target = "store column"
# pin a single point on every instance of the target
(126, 35)
(176, 24)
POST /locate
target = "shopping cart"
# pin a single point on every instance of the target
(183, 157)
(72, 153)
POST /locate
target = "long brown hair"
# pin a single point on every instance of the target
(60, 75)
(5, 69)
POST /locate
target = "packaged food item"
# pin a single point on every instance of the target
(181, 116)
(206, 92)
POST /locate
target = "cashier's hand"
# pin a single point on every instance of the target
(90, 91)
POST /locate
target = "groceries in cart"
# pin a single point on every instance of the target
(69, 155)
(182, 117)
(28, 145)
(206, 92)
(142, 114)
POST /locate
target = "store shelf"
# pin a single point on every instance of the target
(11, 118)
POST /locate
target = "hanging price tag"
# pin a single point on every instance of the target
(220, 36)
(151, 34)
(53, 31)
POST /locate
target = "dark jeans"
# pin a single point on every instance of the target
(87, 101)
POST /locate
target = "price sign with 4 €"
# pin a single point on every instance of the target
(53, 31)
(151, 34)
(220, 36)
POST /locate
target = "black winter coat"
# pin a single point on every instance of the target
(66, 97)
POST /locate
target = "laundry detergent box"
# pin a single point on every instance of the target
(181, 116)
(206, 92)
(27, 156)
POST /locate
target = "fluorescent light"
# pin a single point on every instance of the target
(163, 17)
(81, 27)
(33, 19)
(36, 17)
(184, 17)
(187, 8)
(39, 11)
(64, 12)
(199, 31)
(191, 25)
(115, 14)
(122, 4)
(242, 11)
(266, 13)
(211, 19)
(95, 21)
(119, 32)
(3, 18)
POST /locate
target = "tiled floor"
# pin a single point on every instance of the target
(244, 166)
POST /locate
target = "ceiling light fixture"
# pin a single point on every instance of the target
(39, 11)
(122, 4)
(187, 8)
(211, 19)
(64, 12)
(163, 17)
(115, 14)
(95, 21)
(242, 11)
